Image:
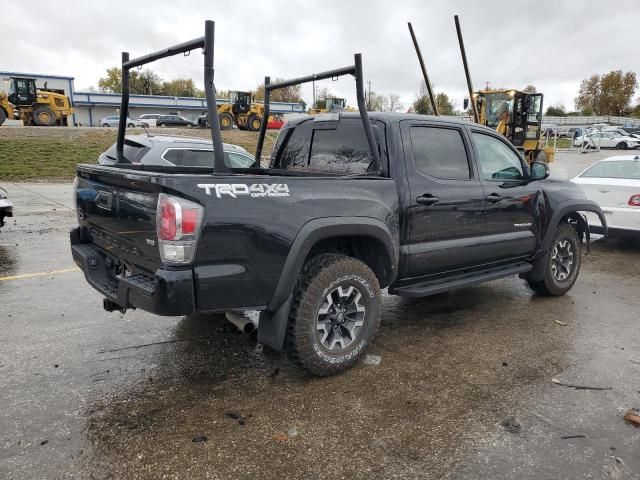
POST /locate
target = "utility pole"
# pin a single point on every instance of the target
(369, 106)
(314, 94)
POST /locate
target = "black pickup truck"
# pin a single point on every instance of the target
(350, 203)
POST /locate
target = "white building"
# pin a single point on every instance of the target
(90, 107)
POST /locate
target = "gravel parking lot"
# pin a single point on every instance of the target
(463, 389)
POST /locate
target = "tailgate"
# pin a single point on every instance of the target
(118, 210)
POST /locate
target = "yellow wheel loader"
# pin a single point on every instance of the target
(240, 111)
(33, 106)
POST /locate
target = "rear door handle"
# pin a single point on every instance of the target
(427, 199)
(494, 197)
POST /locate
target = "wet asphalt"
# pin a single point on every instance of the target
(463, 389)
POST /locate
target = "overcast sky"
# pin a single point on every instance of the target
(551, 44)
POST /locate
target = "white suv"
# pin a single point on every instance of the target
(150, 118)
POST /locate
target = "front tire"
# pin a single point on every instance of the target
(226, 121)
(162, 125)
(562, 264)
(189, 125)
(3, 116)
(130, 125)
(621, 146)
(334, 314)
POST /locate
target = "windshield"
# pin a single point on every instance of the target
(615, 169)
(497, 103)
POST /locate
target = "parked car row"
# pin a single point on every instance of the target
(149, 120)
(618, 139)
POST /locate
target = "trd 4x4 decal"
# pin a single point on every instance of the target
(235, 190)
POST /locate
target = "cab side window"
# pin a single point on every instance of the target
(440, 152)
(496, 160)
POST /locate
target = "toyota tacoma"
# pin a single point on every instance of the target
(349, 204)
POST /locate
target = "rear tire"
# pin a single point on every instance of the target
(334, 315)
(106, 125)
(3, 116)
(621, 146)
(44, 116)
(130, 125)
(562, 264)
(226, 121)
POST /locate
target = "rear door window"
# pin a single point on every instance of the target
(440, 152)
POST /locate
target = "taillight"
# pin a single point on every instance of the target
(167, 227)
(178, 225)
(634, 201)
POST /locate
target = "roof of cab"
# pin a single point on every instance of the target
(390, 117)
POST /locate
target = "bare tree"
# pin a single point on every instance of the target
(392, 103)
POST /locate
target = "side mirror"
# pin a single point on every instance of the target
(539, 171)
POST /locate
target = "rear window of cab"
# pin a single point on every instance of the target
(336, 148)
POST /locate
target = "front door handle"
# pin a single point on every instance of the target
(427, 199)
(494, 197)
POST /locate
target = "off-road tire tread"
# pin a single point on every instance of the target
(316, 274)
(548, 286)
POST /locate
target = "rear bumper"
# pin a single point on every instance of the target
(166, 292)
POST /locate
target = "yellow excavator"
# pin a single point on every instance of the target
(34, 106)
(240, 111)
(332, 104)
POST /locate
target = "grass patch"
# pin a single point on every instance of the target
(53, 154)
(36, 158)
(561, 143)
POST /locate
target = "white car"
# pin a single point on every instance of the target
(620, 132)
(114, 120)
(150, 118)
(606, 140)
(614, 184)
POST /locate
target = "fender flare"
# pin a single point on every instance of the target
(273, 321)
(565, 208)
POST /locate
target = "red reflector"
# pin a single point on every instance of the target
(634, 201)
(189, 220)
(167, 221)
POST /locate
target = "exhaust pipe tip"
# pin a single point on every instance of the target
(242, 323)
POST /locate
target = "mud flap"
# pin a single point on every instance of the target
(272, 327)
